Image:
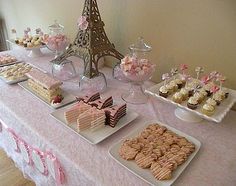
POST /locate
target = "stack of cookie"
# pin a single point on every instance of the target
(158, 149)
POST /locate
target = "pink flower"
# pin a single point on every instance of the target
(82, 23)
(183, 67)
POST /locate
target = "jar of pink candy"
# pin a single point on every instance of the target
(56, 41)
(138, 69)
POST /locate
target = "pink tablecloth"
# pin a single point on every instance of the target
(86, 164)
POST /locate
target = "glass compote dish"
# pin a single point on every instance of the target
(137, 68)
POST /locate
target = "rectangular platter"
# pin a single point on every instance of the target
(18, 61)
(220, 111)
(94, 137)
(68, 98)
(145, 174)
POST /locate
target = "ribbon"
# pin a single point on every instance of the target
(15, 138)
(186, 77)
(38, 155)
(214, 89)
(82, 23)
(199, 70)
(55, 169)
(214, 74)
(25, 150)
(205, 79)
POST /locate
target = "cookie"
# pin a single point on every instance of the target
(144, 161)
(127, 152)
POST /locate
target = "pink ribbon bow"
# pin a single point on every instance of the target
(205, 79)
(183, 67)
(214, 89)
(186, 77)
(165, 76)
(27, 148)
(15, 137)
(82, 23)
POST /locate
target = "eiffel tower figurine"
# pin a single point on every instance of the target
(91, 43)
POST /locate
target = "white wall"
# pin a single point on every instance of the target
(196, 32)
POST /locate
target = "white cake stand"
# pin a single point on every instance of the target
(187, 116)
(34, 52)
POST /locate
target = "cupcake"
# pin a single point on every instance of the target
(207, 88)
(199, 97)
(185, 93)
(211, 102)
(203, 92)
(170, 88)
(190, 90)
(177, 97)
(208, 109)
(163, 91)
(175, 86)
(192, 103)
(217, 97)
(179, 83)
(222, 94)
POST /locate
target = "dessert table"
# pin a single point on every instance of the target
(86, 164)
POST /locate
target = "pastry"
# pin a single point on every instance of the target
(211, 102)
(185, 93)
(158, 149)
(89, 98)
(192, 103)
(44, 85)
(114, 114)
(218, 98)
(174, 84)
(177, 97)
(163, 91)
(208, 109)
(91, 119)
(72, 114)
(102, 103)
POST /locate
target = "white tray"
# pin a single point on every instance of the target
(68, 98)
(94, 137)
(220, 111)
(146, 174)
(12, 63)
(10, 82)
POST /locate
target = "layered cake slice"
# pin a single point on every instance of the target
(91, 119)
(89, 98)
(102, 103)
(73, 113)
(114, 113)
(44, 85)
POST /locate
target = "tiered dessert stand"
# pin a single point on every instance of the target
(186, 114)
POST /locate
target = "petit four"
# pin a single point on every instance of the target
(192, 103)
(163, 91)
(177, 97)
(91, 119)
(15, 72)
(158, 149)
(211, 102)
(6, 59)
(208, 109)
(44, 85)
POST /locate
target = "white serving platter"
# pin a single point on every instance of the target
(145, 174)
(12, 63)
(94, 137)
(220, 111)
(68, 98)
(10, 82)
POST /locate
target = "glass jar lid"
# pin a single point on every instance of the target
(140, 46)
(56, 26)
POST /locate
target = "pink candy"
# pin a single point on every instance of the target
(57, 43)
(136, 69)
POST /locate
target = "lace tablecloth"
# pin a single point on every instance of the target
(86, 164)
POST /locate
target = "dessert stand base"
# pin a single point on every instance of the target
(35, 52)
(135, 94)
(118, 74)
(187, 116)
(95, 84)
